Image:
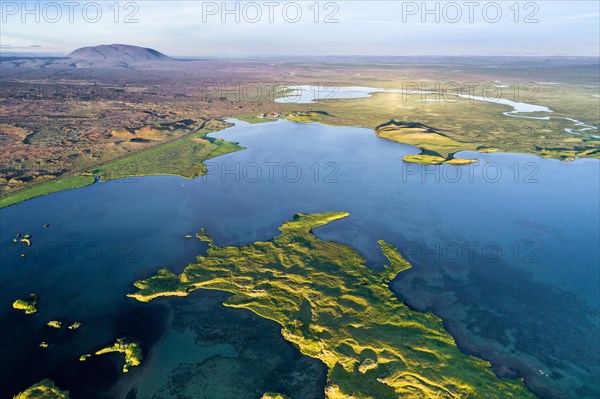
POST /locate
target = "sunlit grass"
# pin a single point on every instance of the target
(333, 308)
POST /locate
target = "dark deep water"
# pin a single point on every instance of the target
(505, 251)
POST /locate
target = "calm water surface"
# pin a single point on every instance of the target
(505, 251)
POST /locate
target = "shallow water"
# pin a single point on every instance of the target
(502, 249)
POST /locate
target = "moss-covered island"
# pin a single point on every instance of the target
(271, 395)
(28, 305)
(44, 389)
(333, 308)
(55, 324)
(437, 148)
(74, 326)
(132, 351)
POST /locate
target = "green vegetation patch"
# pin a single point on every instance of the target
(49, 187)
(437, 147)
(436, 160)
(333, 308)
(271, 395)
(28, 305)
(309, 116)
(131, 350)
(74, 326)
(44, 389)
(469, 124)
(179, 157)
(254, 118)
(55, 324)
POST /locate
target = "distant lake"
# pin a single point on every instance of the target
(305, 94)
(504, 250)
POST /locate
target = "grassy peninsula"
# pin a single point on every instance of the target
(179, 156)
(333, 308)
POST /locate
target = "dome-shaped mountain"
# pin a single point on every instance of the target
(118, 53)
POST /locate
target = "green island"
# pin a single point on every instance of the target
(308, 116)
(28, 305)
(437, 148)
(74, 326)
(55, 324)
(84, 357)
(333, 308)
(131, 350)
(181, 156)
(26, 240)
(271, 395)
(44, 389)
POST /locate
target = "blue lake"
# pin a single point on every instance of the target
(504, 250)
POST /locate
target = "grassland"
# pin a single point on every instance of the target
(51, 186)
(181, 156)
(333, 308)
(254, 119)
(466, 124)
(44, 389)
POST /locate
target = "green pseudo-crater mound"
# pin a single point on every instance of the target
(333, 308)
(44, 389)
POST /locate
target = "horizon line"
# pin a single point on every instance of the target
(183, 57)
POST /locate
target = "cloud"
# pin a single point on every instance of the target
(28, 47)
(370, 28)
(578, 17)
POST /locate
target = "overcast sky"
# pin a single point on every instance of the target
(196, 28)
